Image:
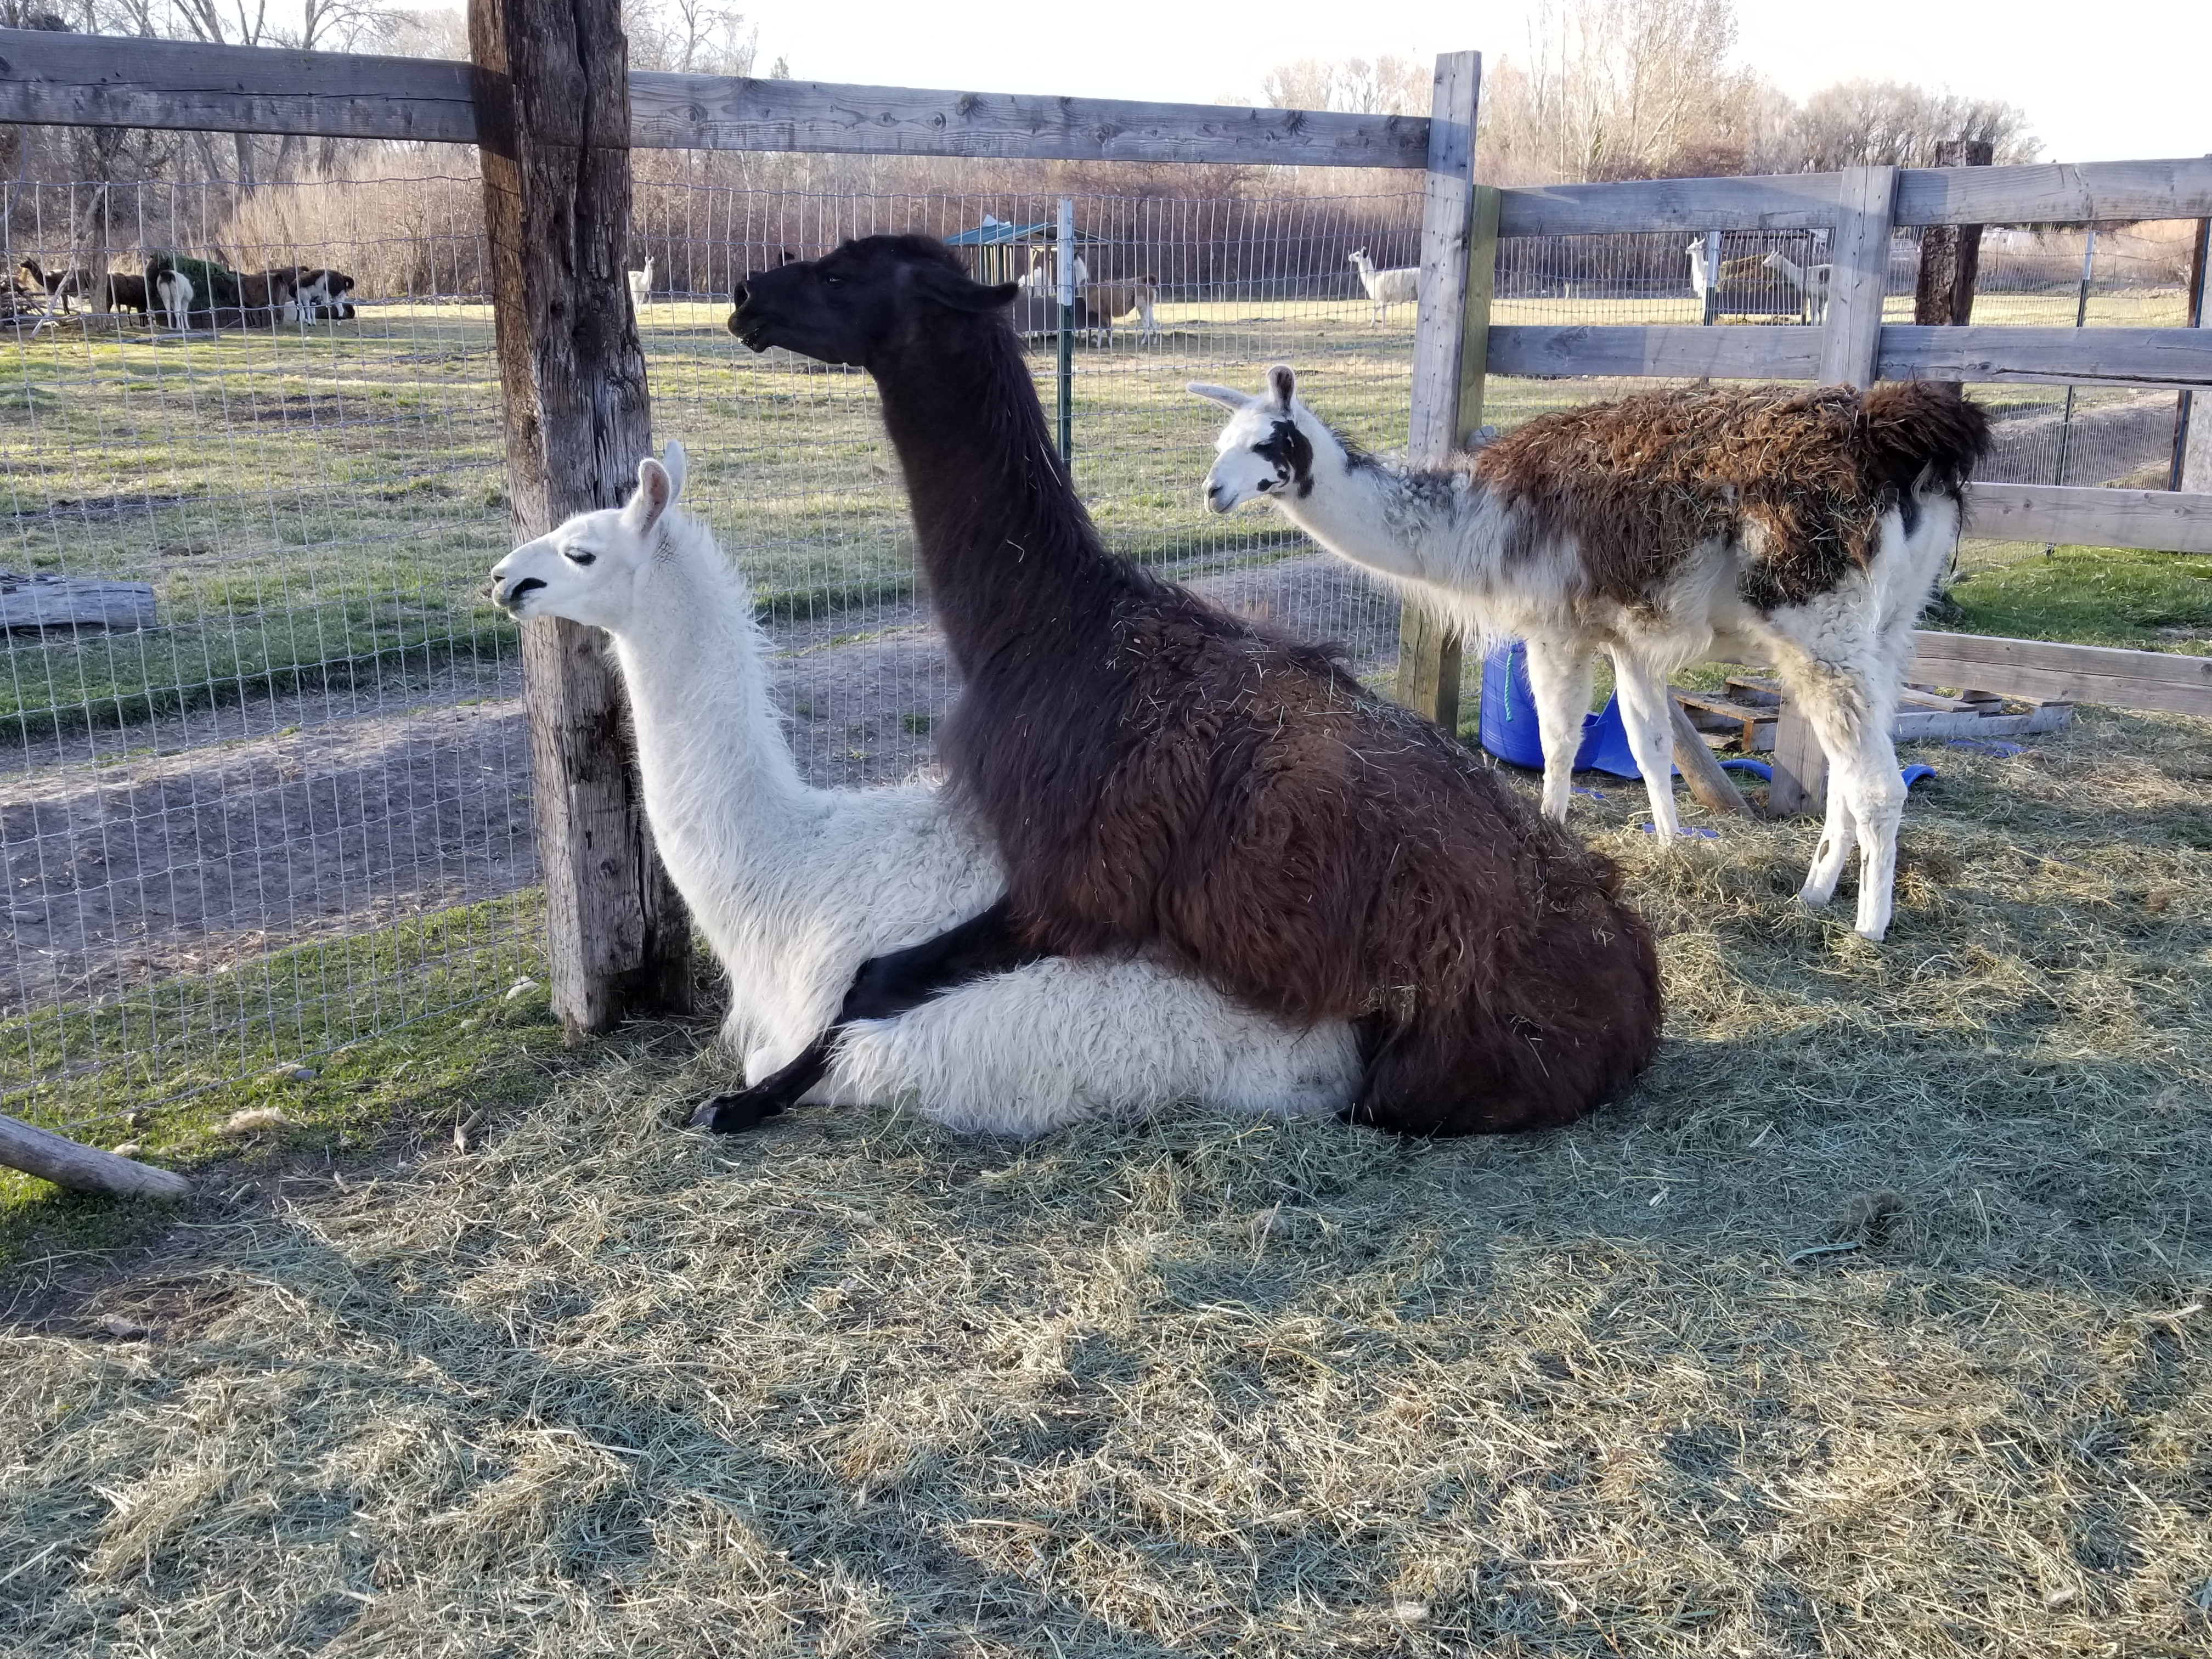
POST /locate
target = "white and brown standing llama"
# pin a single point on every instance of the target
(1803, 527)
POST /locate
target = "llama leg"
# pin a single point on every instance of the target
(885, 985)
(1560, 677)
(1838, 832)
(1866, 797)
(1650, 739)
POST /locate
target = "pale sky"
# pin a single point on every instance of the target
(2101, 80)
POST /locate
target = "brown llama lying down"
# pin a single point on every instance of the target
(1161, 776)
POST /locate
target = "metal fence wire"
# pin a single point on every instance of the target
(263, 776)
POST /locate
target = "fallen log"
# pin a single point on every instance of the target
(83, 1169)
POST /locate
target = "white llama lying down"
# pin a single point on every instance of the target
(796, 887)
(1400, 287)
(1785, 524)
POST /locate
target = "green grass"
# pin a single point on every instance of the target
(2091, 596)
(316, 510)
(397, 1024)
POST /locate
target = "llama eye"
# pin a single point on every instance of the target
(577, 555)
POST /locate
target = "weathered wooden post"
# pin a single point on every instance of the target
(1851, 352)
(2192, 427)
(83, 1169)
(1451, 331)
(552, 98)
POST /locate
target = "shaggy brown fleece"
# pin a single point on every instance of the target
(1159, 775)
(1799, 477)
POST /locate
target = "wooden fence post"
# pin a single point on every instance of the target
(2193, 428)
(1951, 255)
(1850, 348)
(1428, 650)
(552, 96)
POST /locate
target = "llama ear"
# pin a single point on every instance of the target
(677, 463)
(960, 291)
(1282, 384)
(1227, 396)
(655, 489)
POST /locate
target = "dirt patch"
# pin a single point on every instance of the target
(189, 863)
(123, 869)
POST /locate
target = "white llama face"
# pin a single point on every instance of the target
(1261, 452)
(592, 568)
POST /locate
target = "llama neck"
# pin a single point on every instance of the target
(1433, 525)
(1007, 548)
(709, 739)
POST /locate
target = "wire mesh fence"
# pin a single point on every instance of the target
(282, 804)
(280, 810)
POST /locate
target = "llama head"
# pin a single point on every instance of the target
(1265, 449)
(862, 301)
(594, 567)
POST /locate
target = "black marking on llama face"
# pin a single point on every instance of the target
(1291, 452)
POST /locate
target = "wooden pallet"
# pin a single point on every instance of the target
(1746, 716)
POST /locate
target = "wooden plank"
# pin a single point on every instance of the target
(1429, 652)
(1800, 783)
(1858, 260)
(104, 81)
(1783, 202)
(1712, 786)
(2043, 670)
(89, 80)
(2055, 192)
(557, 222)
(1752, 352)
(701, 112)
(2158, 520)
(48, 601)
(1920, 726)
(83, 1169)
(2064, 357)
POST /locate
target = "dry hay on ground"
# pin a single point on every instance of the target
(852, 1386)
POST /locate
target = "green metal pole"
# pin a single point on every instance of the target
(1066, 398)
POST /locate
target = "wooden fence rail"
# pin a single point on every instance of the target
(78, 80)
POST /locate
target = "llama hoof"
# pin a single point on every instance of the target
(730, 1115)
(1812, 898)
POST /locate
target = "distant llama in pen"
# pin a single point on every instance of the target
(1398, 287)
(1803, 527)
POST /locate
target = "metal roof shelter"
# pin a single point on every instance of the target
(999, 246)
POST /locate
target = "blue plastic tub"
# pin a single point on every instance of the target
(1508, 720)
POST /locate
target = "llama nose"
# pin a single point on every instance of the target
(739, 297)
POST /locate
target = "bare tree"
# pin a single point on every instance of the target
(1885, 123)
(1382, 86)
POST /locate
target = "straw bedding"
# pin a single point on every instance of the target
(854, 1386)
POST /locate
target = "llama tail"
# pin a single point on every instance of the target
(1910, 430)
